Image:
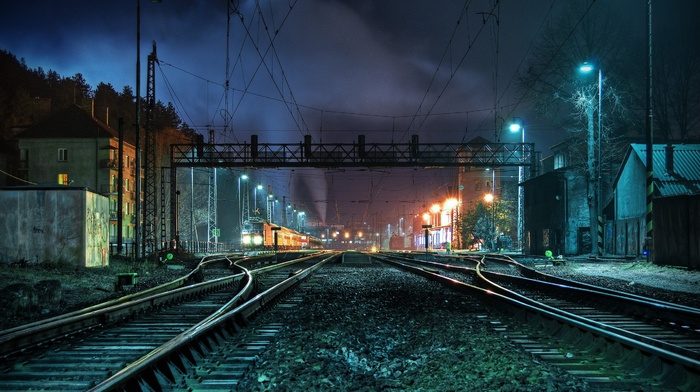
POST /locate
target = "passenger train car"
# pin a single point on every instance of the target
(258, 235)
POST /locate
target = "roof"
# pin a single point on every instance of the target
(72, 122)
(685, 178)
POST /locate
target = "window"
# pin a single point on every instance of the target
(63, 154)
(559, 161)
(127, 185)
(63, 179)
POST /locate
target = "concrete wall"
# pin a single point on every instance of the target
(630, 195)
(54, 224)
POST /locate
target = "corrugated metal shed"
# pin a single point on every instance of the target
(684, 179)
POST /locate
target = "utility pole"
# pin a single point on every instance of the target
(211, 221)
(649, 236)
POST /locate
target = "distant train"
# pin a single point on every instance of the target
(258, 235)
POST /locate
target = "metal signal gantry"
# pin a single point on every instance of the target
(357, 154)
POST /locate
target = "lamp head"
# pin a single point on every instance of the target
(514, 127)
(586, 68)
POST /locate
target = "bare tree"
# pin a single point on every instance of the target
(677, 86)
(584, 31)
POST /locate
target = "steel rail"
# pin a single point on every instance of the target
(18, 338)
(528, 310)
(166, 361)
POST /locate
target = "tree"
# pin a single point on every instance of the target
(677, 85)
(585, 31)
(482, 223)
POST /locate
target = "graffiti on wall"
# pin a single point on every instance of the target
(97, 231)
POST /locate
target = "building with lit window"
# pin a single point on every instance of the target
(71, 147)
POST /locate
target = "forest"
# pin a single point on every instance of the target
(22, 88)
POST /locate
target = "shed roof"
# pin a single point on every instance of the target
(685, 177)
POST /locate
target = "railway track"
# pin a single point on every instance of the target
(123, 344)
(611, 339)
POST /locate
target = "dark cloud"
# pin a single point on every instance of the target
(336, 68)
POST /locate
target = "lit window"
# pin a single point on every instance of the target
(63, 154)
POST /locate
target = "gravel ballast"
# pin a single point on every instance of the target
(381, 329)
(378, 328)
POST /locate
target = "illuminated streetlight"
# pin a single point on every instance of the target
(491, 199)
(243, 206)
(595, 168)
(435, 210)
(518, 126)
(451, 205)
(259, 187)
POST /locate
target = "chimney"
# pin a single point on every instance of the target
(669, 158)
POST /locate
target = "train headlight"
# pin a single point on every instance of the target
(257, 240)
(246, 239)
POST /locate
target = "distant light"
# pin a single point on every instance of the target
(451, 203)
(244, 177)
(514, 127)
(586, 68)
(488, 198)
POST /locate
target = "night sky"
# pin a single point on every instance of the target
(335, 69)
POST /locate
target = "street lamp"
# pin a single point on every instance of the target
(242, 204)
(435, 210)
(451, 205)
(427, 237)
(518, 126)
(255, 198)
(595, 171)
(491, 199)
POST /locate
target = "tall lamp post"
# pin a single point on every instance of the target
(451, 206)
(490, 198)
(255, 199)
(427, 237)
(242, 202)
(596, 169)
(519, 126)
